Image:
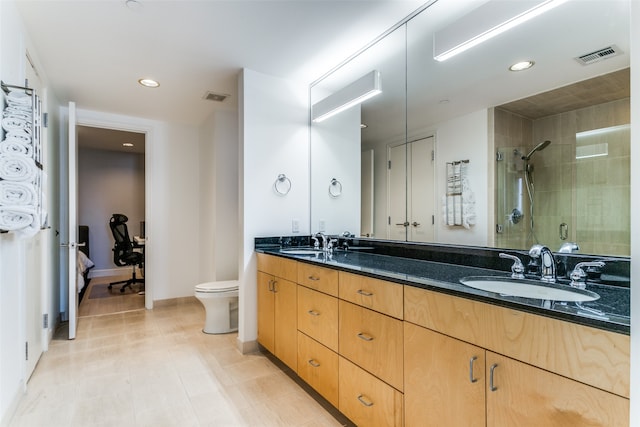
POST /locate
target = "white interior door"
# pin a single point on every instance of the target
(72, 227)
(421, 189)
(367, 192)
(397, 196)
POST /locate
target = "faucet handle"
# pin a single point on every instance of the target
(517, 269)
(316, 242)
(579, 276)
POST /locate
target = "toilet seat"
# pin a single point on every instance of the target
(217, 287)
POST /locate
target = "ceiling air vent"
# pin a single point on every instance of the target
(210, 96)
(599, 55)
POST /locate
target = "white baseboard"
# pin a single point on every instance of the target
(13, 406)
(246, 347)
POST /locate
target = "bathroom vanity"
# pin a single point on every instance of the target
(393, 341)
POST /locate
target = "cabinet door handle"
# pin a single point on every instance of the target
(365, 337)
(364, 293)
(313, 363)
(492, 387)
(270, 287)
(313, 313)
(314, 278)
(471, 378)
(365, 401)
(274, 289)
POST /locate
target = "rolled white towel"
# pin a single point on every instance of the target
(16, 167)
(16, 217)
(15, 146)
(19, 136)
(13, 123)
(18, 97)
(17, 194)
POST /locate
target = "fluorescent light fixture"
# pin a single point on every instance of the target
(602, 131)
(355, 93)
(593, 150)
(485, 22)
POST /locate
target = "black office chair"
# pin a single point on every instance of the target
(123, 253)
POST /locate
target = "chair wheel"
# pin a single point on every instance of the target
(122, 290)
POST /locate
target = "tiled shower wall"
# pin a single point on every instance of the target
(591, 196)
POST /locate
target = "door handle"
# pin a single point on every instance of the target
(404, 224)
(415, 224)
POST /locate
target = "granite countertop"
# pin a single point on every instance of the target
(610, 312)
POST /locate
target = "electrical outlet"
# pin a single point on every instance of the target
(321, 226)
(295, 226)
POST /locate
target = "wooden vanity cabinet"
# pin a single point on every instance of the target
(277, 299)
(318, 367)
(534, 367)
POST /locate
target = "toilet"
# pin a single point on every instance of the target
(220, 301)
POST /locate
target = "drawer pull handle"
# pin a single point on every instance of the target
(364, 293)
(365, 401)
(365, 337)
(492, 387)
(314, 278)
(313, 313)
(313, 363)
(471, 378)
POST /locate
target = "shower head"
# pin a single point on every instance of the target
(538, 147)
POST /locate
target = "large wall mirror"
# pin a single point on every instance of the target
(456, 151)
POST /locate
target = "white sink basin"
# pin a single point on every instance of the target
(529, 289)
(301, 251)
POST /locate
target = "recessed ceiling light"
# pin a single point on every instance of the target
(148, 82)
(133, 5)
(127, 144)
(520, 66)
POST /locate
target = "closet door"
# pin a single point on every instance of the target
(397, 195)
(420, 202)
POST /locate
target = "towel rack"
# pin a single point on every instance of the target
(282, 185)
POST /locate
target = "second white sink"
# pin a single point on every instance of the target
(529, 289)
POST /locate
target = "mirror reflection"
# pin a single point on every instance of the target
(521, 189)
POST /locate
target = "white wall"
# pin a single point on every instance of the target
(335, 150)
(13, 264)
(274, 139)
(468, 135)
(219, 197)
(109, 182)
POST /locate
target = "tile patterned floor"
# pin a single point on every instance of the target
(156, 368)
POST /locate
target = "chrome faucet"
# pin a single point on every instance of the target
(517, 269)
(579, 276)
(323, 237)
(547, 262)
(569, 247)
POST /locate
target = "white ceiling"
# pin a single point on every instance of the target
(94, 51)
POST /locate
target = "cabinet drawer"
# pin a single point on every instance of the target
(378, 295)
(318, 316)
(366, 400)
(280, 267)
(373, 341)
(318, 367)
(319, 278)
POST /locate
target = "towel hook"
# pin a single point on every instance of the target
(335, 188)
(282, 185)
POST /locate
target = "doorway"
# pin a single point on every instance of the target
(111, 180)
